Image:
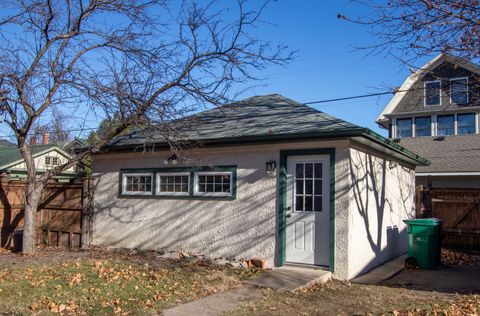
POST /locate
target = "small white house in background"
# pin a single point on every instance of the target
(270, 178)
(46, 156)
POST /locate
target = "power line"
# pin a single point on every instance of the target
(351, 98)
(361, 96)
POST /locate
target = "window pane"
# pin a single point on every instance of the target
(423, 126)
(178, 187)
(163, 187)
(218, 179)
(466, 123)
(432, 93)
(308, 187)
(218, 187)
(226, 188)
(317, 203)
(404, 127)
(309, 170)
(318, 170)
(318, 187)
(445, 125)
(299, 170)
(308, 203)
(202, 187)
(209, 187)
(202, 179)
(459, 91)
(299, 203)
(299, 186)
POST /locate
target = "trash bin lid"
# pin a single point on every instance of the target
(423, 221)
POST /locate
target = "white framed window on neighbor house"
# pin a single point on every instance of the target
(213, 183)
(137, 183)
(445, 125)
(52, 161)
(459, 90)
(433, 93)
(404, 127)
(423, 126)
(173, 183)
(466, 124)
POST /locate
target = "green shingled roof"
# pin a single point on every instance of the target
(260, 118)
(9, 155)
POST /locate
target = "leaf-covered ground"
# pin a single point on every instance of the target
(104, 285)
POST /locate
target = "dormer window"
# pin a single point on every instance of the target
(445, 125)
(466, 124)
(423, 126)
(433, 93)
(459, 90)
(404, 127)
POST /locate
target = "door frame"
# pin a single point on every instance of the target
(282, 200)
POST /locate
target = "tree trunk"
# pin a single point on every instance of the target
(33, 195)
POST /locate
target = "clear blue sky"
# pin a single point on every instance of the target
(327, 66)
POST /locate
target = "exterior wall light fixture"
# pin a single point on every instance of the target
(271, 166)
(172, 160)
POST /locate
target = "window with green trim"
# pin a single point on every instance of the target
(217, 182)
(173, 183)
(213, 183)
(137, 183)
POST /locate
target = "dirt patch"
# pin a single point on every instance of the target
(343, 298)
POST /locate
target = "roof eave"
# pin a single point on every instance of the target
(366, 133)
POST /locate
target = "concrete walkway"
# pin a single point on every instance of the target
(216, 304)
(289, 278)
(383, 272)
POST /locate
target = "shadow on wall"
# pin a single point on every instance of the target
(245, 226)
(382, 199)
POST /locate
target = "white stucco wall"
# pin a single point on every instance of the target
(247, 226)
(243, 228)
(382, 195)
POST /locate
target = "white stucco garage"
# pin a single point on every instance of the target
(271, 179)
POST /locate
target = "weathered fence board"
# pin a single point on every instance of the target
(459, 208)
(60, 216)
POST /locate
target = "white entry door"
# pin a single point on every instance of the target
(308, 210)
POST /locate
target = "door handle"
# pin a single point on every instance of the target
(289, 215)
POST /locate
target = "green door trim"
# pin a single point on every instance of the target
(282, 200)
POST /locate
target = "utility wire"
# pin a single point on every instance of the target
(350, 98)
(306, 103)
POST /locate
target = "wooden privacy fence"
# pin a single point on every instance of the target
(458, 208)
(63, 216)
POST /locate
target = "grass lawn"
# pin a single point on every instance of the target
(107, 285)
(340, 298)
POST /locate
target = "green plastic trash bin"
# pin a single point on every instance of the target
(424, 241)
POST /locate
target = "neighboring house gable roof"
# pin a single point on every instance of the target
(453, 154)
(10, 156)
(260, 118)
(413, 78)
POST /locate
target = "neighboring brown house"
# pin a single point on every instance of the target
(435, 114)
